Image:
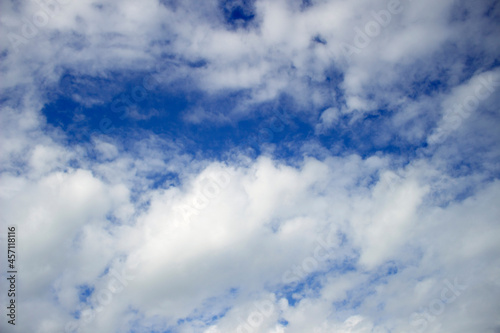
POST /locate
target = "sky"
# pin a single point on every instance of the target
(249, 166)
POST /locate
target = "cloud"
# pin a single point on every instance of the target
(355, 190)
(252, 222)
(328, 118)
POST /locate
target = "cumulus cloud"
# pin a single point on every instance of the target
(241, 227)
(376, 213)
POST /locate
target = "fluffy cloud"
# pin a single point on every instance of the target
(221, 243)
(138, 232)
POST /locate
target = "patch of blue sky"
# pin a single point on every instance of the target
(291, 293)
(354, 298)
(427, 86)
(283, 322)
(332, 267)
(373, 135)
(104, 272)
(237, 13)
(472, 63)
(334, 76)
(128, 107)
(163, 180)
(309, 287)
(342, 266)
(85, 292)
(320, 40)
(211, 309)
(384, 273)
(111, 228)
(164, 113)
(210, 139)
(112, 219)
(464, 163)
(207, 317)
(157, 324)
(306, 4)
(87, 88)
(85, 105)
(75, 314)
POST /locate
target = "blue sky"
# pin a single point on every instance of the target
(252, 166)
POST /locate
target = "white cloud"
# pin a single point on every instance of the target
(328, 118)
(215, 237)
(263, 221)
